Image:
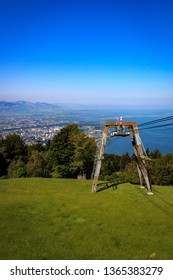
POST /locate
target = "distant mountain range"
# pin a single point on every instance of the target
(41, 107)
(25, 107)
(38, 107)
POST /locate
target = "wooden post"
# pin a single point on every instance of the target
(100, 158)
(140, 160)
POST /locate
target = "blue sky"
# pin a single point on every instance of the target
(89, 52)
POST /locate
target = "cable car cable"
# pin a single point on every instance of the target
(156, 121)
(163, 125)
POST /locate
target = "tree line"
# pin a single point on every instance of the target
(123, 168)
(71, 153)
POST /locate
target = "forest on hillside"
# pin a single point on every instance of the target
(70, 154)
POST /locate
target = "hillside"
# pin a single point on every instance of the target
(26, 107)
(62, 219)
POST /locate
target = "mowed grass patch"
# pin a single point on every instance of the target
(62, 219)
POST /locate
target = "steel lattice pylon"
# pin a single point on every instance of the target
(137, 147)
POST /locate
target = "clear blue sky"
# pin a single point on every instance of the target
(87, 51)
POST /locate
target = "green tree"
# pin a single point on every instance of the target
(130, 173)
(3, 165)
(63, 149)
(38, 146)
(161, 169)
(125, 159)
(13, 147)
(72, 152)
(156, 154)
(85, 149)
(148, 153)
(17, 169)
(110, 164)
(165, 172)
(38, 165)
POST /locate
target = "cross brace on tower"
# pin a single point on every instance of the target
(123, 129)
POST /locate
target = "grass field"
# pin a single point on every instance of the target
(62, 219)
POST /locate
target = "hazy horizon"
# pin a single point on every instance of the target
(103, 107)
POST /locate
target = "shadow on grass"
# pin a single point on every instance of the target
(157, 204)
(107, 185)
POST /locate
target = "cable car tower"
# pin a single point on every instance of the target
(123, 129)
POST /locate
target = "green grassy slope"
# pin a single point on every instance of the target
(63, 219)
